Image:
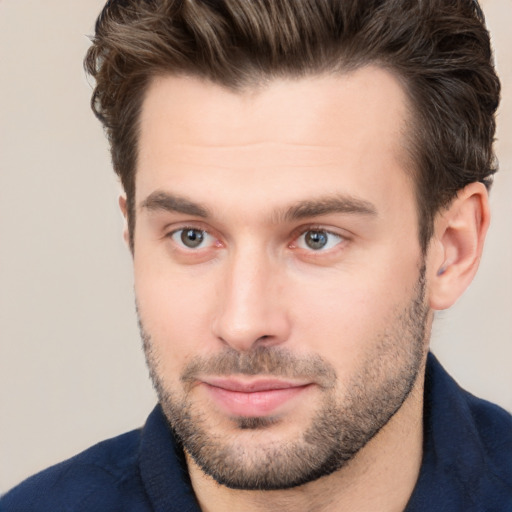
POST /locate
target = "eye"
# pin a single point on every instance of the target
(318, 240)
(192, 238)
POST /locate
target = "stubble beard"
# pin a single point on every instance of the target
(339, 428)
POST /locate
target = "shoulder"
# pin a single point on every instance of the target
(104, 477)
(494, 427)
(467, 460)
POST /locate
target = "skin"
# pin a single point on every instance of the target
(236, 165)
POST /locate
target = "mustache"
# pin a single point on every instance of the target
(270, 361)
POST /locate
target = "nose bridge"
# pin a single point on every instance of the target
(250, 308)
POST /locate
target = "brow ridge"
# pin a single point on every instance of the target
(340, 204)
(165, 201)
(344, 204)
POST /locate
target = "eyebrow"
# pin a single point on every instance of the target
(163, 201)
(337, 203)
(344, 204)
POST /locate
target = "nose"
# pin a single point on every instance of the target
(251, 308)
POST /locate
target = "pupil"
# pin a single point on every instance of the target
(316, 239)
(192, 237)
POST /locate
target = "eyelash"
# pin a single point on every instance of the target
(184, 229)
(323, 231)
(293, 245)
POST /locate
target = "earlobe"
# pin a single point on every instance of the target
(459, 235)
(124, 211)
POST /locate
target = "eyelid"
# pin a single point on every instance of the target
(344, 237)
(171, 228)
(217, 242)
(171, 234)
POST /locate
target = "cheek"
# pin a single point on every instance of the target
(338, 323)
(175, 310)
(344, 318)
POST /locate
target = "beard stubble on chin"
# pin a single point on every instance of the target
(338, 429)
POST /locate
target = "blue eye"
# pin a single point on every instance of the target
(318, 240)
(192, 238)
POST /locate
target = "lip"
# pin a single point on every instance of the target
(255, 398)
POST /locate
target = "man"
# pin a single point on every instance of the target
(305, 184)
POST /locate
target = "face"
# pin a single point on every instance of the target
(278, 274)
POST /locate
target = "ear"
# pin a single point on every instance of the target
(124, 211)
(459, 234)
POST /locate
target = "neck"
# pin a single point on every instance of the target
(380, 477)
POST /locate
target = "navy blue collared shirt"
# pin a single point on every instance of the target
(467, 464)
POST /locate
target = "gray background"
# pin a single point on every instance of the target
(71, 368)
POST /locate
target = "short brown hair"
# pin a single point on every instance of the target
(440, 49)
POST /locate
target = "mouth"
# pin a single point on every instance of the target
(253, 398)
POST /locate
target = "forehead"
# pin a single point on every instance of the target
(279, 110)
(285, 137)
